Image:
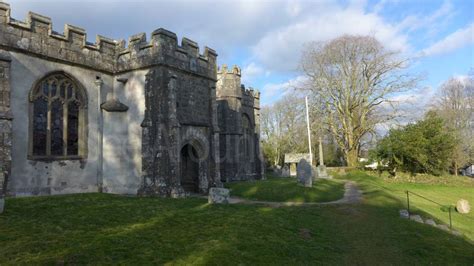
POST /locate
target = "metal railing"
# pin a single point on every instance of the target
(432, 201)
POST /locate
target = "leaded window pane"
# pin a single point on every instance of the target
(40, 124)
(57, 128)
(73, 129)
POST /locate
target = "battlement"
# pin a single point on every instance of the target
(36, 36)
(224, 70)
(163, 48)
(250, 92)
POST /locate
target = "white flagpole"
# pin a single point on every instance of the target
(309, 132)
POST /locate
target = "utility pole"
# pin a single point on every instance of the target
(309, 131)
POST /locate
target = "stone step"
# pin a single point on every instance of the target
(416, 218)
(430, 222)
(443, 227)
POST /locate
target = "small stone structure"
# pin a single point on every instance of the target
(463, 207)
(218, 195)
(292, 159)
(304, 173)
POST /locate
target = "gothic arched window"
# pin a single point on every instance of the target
(58, 119)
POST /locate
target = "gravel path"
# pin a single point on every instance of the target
(352, 195)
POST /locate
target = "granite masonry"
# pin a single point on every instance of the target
(151, 117)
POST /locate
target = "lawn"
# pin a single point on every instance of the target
(111, 229)
(444, 190)
(285, 189)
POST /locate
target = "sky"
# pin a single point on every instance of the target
(265, 38)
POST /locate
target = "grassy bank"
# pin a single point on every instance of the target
(286, 190)
(445, 190)
(110, 229)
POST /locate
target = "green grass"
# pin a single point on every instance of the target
(110, 229)
(445, 190)
(286, 190)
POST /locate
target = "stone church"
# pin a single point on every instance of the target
(147, 117)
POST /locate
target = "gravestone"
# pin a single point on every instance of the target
(462, 206)
(218, 195)
(304, 173)
(285, 171)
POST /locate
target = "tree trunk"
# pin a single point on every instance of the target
(351, 157)
(455, 168)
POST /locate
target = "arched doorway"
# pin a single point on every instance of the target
(189, 169)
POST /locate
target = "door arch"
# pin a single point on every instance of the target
(189, 168)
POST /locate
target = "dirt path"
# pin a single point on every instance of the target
(352, 195)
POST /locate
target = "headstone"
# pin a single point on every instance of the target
(404, 214)
(285, 171)
(416, 218)
(304, 173)
(2, 204)
(218, 195)
(463, 207)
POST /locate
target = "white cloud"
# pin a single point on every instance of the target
(432, 22)
(280, 49)
(458, 39)
(273, 91)
(250, 72)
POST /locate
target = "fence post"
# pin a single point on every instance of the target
(450, 223)
(408, 202)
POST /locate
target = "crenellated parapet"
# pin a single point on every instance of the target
(250, 97)
(35, 36)
(163, 49)
(224, 70)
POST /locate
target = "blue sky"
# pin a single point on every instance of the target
(265, 38)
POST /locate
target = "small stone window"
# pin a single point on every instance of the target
(58, 110)
(247, 134)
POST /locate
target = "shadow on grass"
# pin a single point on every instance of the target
(108, 229)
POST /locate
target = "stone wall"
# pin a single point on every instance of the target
(5, 126)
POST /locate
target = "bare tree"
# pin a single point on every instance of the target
(455, 104)
(281, 127)
(352, 78)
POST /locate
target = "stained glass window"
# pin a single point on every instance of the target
(57, 117)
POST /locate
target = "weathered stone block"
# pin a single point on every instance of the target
(416, 218)
(404, 214)
(218, 195)
(463, 207)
